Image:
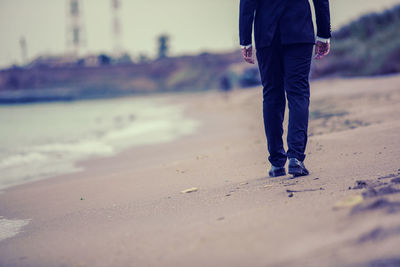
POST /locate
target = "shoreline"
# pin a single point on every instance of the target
(47, 140)
(133, 212)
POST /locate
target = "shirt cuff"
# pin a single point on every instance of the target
(323, 40)
(246, 46)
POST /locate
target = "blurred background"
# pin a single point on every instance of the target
(64, 50)
(102, 48)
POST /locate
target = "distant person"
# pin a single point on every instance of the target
(284, 40)
(225, 83)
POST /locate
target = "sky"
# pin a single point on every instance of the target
(194, 26)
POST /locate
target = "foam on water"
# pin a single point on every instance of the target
(10, 228)
(43, 140)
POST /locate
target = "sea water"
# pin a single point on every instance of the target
(42, 140)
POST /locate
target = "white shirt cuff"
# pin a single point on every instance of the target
(246, 46)
(323, 40)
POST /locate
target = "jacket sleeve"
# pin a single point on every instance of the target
(246, 18)
(323, 18)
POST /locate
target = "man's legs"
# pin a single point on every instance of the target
(296, 62)
(271, 70)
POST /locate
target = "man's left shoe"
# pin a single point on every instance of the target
(277, 171)
(297, 168)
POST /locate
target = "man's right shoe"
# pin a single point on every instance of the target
(297, 168)
(277, 171)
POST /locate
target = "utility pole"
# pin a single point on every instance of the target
(24, 53)
(116, 26)
(163, 46)
(76, 39)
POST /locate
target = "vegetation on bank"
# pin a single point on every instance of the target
(368, 46)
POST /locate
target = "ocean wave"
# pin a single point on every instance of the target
(52, 140)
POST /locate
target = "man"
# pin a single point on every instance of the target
(284, 39)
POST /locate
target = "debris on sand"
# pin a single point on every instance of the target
(375, 234)
(268, 186)
(360, 184)
(379, 233)
(392, 175)
(381, 203)
(378, 188)
(291, 195)
(383, 262)
(305, 190)
(190, 190)
(349, 201)
(395, 180)
(373, 193)
(180, 171)
(244, 183)
(380, 191)
(291, 191)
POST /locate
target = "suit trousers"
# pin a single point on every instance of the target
(285, 69)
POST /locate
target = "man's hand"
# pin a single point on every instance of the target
(247, 54)
(322, 49)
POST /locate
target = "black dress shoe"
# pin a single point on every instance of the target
(277, 171)
(297, 168)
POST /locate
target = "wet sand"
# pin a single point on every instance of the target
(129, 209)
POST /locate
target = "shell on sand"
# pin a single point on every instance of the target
(190, 190)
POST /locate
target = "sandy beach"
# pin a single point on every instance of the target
(129, 210)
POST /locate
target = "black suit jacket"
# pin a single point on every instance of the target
(292, 17)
